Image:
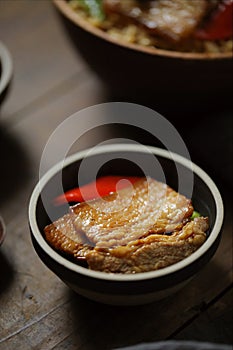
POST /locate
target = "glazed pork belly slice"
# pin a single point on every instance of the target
(173, 20)
(151, 253)
(148, 207)
(63, 236)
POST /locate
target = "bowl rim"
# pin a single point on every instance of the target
(2, 230)
(74, 17)
(7, 67)
(129, 277)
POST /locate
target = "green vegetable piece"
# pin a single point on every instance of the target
(94, 8)
(194, 215)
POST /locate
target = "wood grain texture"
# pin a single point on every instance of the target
(215, 323)
(37, 311)
(42, 55)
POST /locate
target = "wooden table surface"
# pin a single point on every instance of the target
(37, 311)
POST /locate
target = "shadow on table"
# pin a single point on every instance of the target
(99, 326)
(15, 166)
(206, 130)
(176, 106)
(106, 326)
(6, 273)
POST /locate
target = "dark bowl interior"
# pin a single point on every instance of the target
(133, 74)
(121, 163)
(202, 198)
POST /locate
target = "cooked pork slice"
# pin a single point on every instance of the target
(150, 253)
(63, 236)
(145, 208)
(170, 19)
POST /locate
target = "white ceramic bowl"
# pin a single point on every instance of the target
(131, 288)
(6, 70)
(2, 230)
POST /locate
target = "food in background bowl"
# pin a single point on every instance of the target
(169, 79)
(180, 25)
(136, 229)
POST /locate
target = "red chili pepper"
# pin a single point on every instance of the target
(220, 24)
(99, 188)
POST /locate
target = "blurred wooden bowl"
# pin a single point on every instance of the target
(130, 70)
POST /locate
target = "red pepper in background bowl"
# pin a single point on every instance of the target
(219, 26)
(103, 185)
